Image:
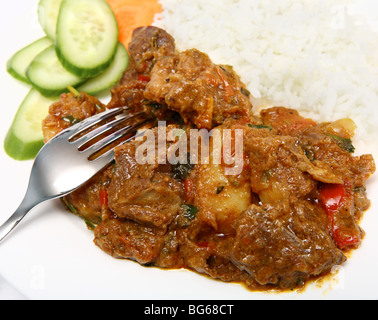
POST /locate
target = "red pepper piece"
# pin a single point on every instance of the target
(337, 201)
(346, 239)
(331, 195)
(103, 194)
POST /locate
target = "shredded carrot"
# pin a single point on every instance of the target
(131, 14)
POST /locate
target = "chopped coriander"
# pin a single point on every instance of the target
(260, 126)
(266, 175)
(190, 212)
(154, 105)
(360, 189)
(182, 171)
(69, 206)
(71, 120)
(90, 224)
(309, 153)
(343, 143)
(154, 42)
(245, 92)
(220, 189)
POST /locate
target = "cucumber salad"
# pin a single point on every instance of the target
(80, 52)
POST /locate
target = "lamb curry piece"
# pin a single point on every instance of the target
(290, 215)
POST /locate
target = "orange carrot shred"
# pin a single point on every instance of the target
(131, 14)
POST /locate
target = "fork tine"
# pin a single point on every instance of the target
(87, 124)
(110, 153)
(104, 159)
(113, 138)
(99, 131)
(100, 139)
(60, 167)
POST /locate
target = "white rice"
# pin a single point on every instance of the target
(311, 55)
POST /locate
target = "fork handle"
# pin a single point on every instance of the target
(25, 206)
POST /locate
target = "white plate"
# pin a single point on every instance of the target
(51, 254)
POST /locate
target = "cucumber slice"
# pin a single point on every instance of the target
(21, 60)
(86, 36)
(48, 76)
(24, 138)
(48, 11)
(110, 76)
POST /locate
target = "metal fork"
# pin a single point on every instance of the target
(74, 156)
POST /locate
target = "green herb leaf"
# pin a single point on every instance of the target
(69, 206)
(153, 104)
(190, 212)
(220, 189)
(309, 153)
(90, 224)
(260, 126)
(182, 171)
(245, 92)
(71, 120)
(98, 107)
(343, 143)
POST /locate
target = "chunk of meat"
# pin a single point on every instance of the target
(286, 121)
(144, 199)
(325, 148)
(284, 244)
(87, 201)
(128, 93)
(210, 256)
(70, 109)
(146, 47)
(279, 168)
(203, 93)
(147, 193)
(126, 239)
